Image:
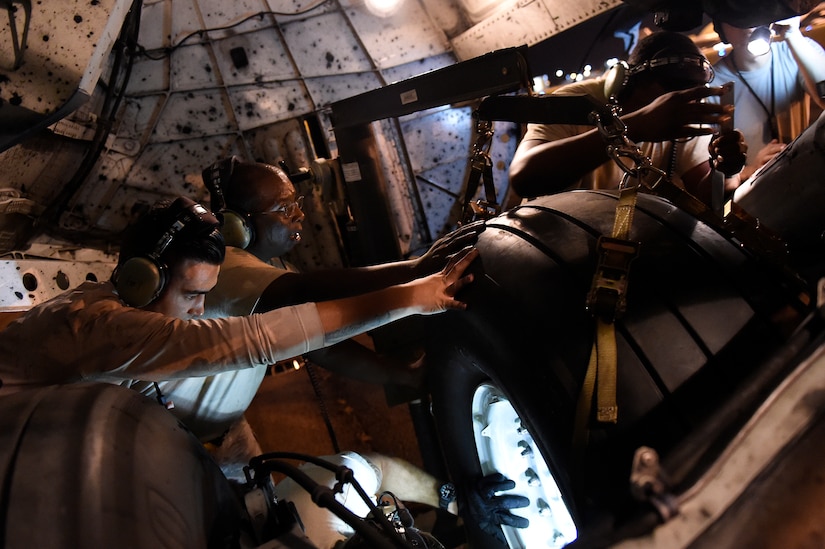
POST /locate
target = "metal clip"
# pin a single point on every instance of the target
(607, 298)
(626, 154)
(611, 126)
(648, 483)
(481, 209)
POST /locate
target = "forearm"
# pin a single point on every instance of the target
(344, 318)
(155, 348)
(811, 62)
(348, 317)
(540, 168)
(352, 281)
(405, 480)
(329, 284)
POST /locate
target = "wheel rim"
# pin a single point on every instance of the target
(504, 445)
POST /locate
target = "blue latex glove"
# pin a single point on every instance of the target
(489, 510)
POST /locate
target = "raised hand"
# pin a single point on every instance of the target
(678, 114)
(786, 26)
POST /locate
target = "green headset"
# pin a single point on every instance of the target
(616, 79)
(139, 280)
(235, 226)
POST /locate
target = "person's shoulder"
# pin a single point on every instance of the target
(593, 87)
(782, 51)
(282, 264)
(92, 292)
(237, 258)
(783, 47)
(242, 279)
(89, 299)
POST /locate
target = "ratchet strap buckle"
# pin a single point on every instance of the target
(607, 298)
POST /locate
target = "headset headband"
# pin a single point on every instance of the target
(688, 60)
(215, 177)
(190, 215)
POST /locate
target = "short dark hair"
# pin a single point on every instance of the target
(242, 191)
(662, 44)
(190, 230)
(669, 58)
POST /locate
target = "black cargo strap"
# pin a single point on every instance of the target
(480, 170)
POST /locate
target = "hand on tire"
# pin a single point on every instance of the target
(490, 510)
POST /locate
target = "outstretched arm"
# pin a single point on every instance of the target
(347, 317)
(324, 285)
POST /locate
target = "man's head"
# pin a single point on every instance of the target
(264, 199)
(170, 258)
(739, 37)
(663, 62)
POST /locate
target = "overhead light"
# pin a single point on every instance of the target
(760, 41)
(383, 8)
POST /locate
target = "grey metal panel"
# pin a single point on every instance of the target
(29, 282)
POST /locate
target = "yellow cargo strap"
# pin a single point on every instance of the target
(607, 301)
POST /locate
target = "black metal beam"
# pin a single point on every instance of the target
(501, 71)
(543, 109)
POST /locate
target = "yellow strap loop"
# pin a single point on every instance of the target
(606, 409)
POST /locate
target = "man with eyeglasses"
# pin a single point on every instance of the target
(661, 91)
(262, 221)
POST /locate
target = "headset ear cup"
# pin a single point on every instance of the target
(615, 79)
(139, 280)
(236, 230)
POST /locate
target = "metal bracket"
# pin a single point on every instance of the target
(480, 171)
(648, 483)
(607, 298)
(18, 42)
